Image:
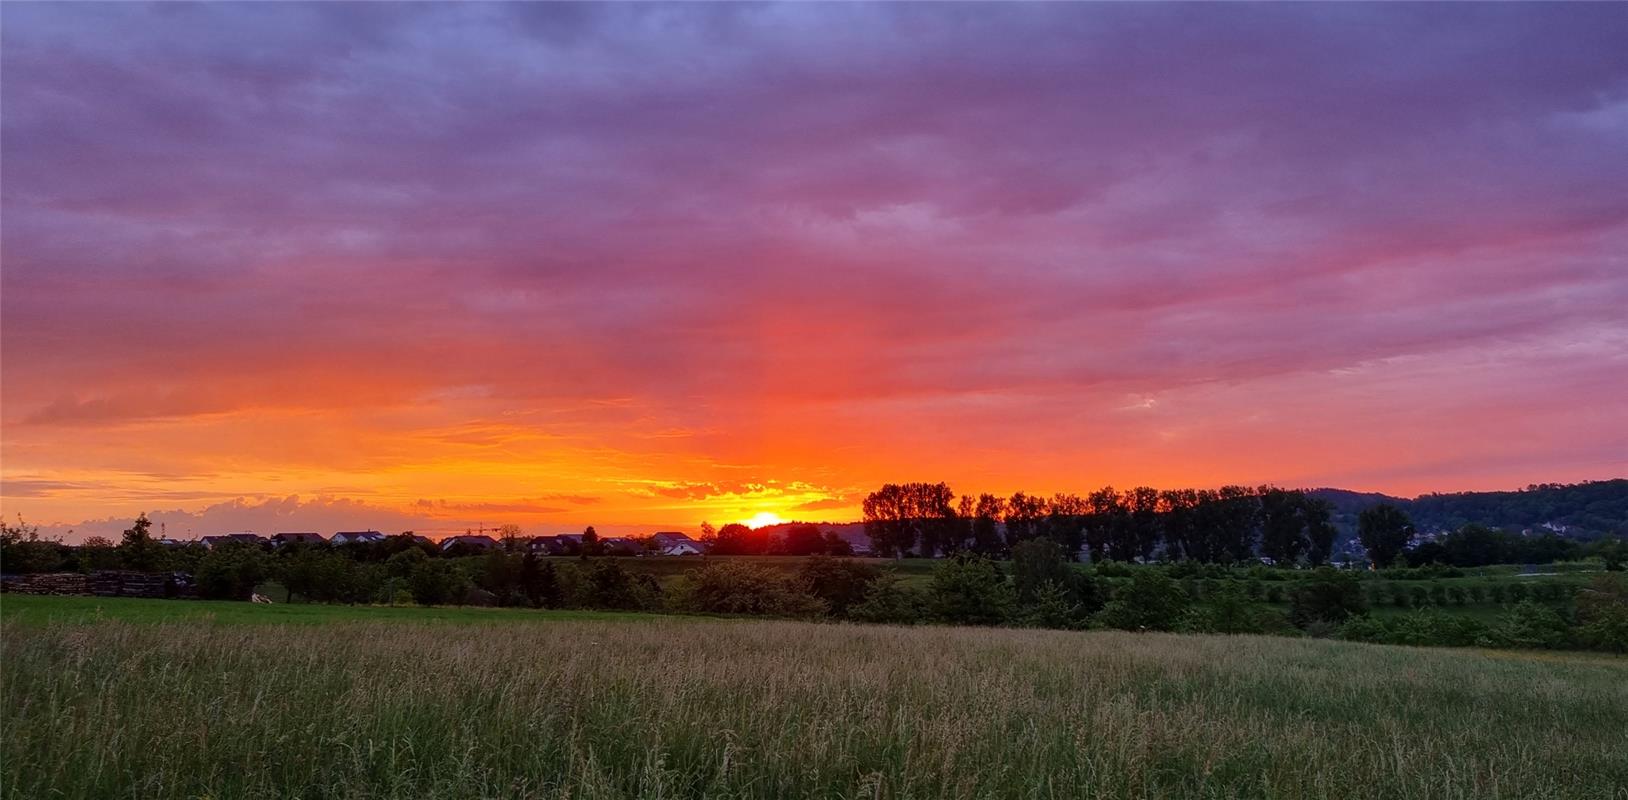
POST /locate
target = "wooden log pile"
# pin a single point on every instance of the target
(47, 583)
(119, 583)
(102, 583)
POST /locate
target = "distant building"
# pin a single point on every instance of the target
(547, 546)
(621, 546)
(280, 539)
(245, 538)
(357, 537)
(670, 543)
(470, 541)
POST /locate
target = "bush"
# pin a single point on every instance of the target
(735, 587)
(230, 571)
(1362, 628)
(540, 583)
(1053, 606)
(889, 601)
(1437, 629)
(1602, 613)
(840, 583)
(1114, 569)
(435, 582)
(606, 585)
(1529, 625)
(1229, 611)
(970, 590)
(1422, 628)
(1329, 595)
(23, 551)
(1150, 602)
(1037, 563)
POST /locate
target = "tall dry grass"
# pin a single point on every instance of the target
(671, 709)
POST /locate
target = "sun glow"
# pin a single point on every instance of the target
(763, 519)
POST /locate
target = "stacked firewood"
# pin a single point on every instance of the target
(47, 583)
(118, 583)
(103, 583)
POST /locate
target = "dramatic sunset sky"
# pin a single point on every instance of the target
(312, 267)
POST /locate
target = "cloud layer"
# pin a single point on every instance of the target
(664, 254)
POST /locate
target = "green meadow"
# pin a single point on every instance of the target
(154, 699)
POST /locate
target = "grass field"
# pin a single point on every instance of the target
(611, 706)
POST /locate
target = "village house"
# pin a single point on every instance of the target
(621, 546)
(469, 541)
(357, 537)
(245, 538)
(671, 543)
(280, 539)
(547, 546)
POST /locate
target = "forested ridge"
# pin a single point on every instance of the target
(1579, 510)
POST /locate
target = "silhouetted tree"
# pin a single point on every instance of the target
(138, 551)
(803, 540)
(539, 582)
(1180, 529)
(985, 524)
(1315, 517)
(1024, 515)
(887, 521)
(1065, 523)
(1142, 504)
(509, 536)
(1239, 517)
(736, 539)
(899, 516)
(1283, 526)
(1384, 531)
(1108, 534)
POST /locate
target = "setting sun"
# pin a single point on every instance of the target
(763, 519)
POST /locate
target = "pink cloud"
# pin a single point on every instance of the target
(816, 243)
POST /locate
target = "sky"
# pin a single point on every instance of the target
(416, 266)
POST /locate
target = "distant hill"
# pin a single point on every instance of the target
(1578, 510)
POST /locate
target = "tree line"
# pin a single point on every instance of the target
(1227, 525)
